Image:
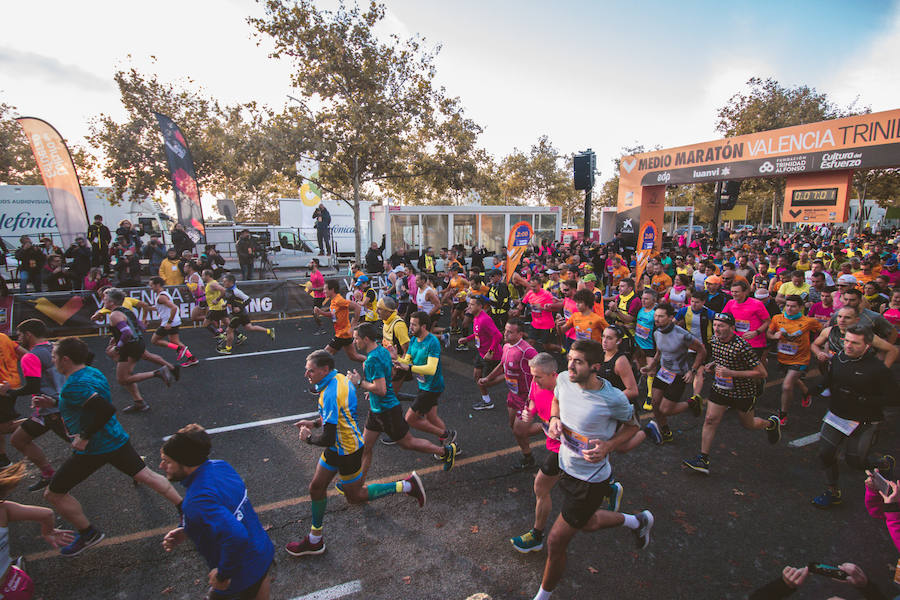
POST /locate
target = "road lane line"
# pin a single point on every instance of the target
(805, 441)
(256, 423)
(260, 353)
(161, 531)
(332, 593)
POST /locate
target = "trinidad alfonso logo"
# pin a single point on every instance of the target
(766, 167)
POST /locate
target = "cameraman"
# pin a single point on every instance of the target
(212, 260)
(247, 251)
(155, 252)
(323, 229)
(80, 254)
(56, 277)
(31, 261)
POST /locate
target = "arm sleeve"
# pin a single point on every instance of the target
(429, 368)
(32, 386)
(327, 436)
(126, 333)
(103, 412)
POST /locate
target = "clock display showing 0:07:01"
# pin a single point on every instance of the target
(815, 197)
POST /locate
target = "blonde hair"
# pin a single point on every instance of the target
(11, 476)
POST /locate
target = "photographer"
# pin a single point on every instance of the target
(128, 270)
(180, 240)
(247, 251)
(31, 261)
(323, 229)
(375, 257)
(56, 277)
(212, 260)
(80, 255)
(100, 237)
(155, 252)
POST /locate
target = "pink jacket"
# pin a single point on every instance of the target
(875, 505)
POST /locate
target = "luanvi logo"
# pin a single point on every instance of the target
(628, 166)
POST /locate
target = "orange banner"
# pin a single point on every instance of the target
(519, 238)
(646, 248)
(60, 179)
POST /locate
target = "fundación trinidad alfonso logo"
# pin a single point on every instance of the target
(59, 314)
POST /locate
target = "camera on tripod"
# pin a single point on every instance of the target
(268, 249)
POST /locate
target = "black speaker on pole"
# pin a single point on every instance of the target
(728, 196)
(583, 171)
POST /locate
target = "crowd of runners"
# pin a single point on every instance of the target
(597, 353)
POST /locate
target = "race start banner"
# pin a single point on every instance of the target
(60, 178)
(519, 238)
(184, 180)
(646, 249)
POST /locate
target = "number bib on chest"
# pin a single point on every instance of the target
(665, 375)
(789, 348)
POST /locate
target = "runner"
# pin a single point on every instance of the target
(586, 323)
(672, 370)
(487, 346)
(317, 291)
(792, 330)
(499, 297)
(423, 360)
(340, 438)
(584, 415)
(831, 339)
(643, 337)
(98, 440)
(127, 347)
(567, 289)
(739, 376)
(540, 301)
(215, 300)
(218, 517)
(860, 388)
(339, 311)
(385, 414)
(9, 375)
(868, 318)
(40, 377)
(750, 316)
(365, 300)
(237, 301)
(513, 367)
(455, 296)
(194, 283)
(169, 322)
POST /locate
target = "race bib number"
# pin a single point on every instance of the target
(513, 385)
(333, 317)
(582, 334)
(642, 331)
(665, 375)
(477, 342)
(725, 383)
(742, 326)
(575, 441)
(788, 348)
(845, 426)
(420, 379)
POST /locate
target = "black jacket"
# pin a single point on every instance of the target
(375, 259)
(181, 242)
(81, 259)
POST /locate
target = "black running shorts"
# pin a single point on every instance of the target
(52, 422)
(671, 391)
(425, 401)
(348, 466)
(550, 466)
(242, 318)
(79, 467)
(390, 422)
(167, 331)
(131, 350)
(339, 342)
(216, 315)
(581, 499)
(739, 404)
(486, 365)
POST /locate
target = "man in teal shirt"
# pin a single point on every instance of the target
(385, 414)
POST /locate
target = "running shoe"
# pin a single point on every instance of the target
(39, 484)
(651, 430)
(418, 489)
(461, 347)
(642, 533)
(480, 404)
(188, 363)
(240, 339)
(827, 499)
(774, 429)
(224, 349)
(806, 401)
(221, 337)
(271, 333)
(647, 406)
(696, 405)
(526, 463)
(445, 339)
(451, 437)
(165, 373)
(667, 436)
(527, 542)
(176, 370)
(182, 352)
(387, 441)
(137, 407)
(449, 458)
(699, 463)
(615, 496)
(82, 543)
(305, 547)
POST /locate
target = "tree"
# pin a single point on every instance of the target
(542, 177)
(370, 111)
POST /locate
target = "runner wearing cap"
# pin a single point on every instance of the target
(499, 297)
(716, 298)
(739, 376)
(365, 300)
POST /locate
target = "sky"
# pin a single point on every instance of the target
(596, 74)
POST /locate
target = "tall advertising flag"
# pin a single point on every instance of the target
(184, 180)
(519, 238)
(60, 179)
(310, 194)
(646, 249)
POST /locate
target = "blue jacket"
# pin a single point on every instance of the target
(219, 519)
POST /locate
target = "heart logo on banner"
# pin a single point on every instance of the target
(60, 314)
(629, 165)
(795, 213)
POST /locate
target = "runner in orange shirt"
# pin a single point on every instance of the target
(587, 323)
(791, 329)
(659, 281)
(339, 311)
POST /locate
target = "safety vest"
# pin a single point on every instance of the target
(429, 264)
(623, 307)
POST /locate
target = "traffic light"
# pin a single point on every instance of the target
(584, 164)
(728, 194)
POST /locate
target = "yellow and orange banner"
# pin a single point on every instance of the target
(519, 238)
(646, 249)
(60, 179)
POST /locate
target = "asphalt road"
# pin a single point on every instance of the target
(715, 537)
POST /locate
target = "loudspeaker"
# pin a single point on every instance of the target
(226, 208)
(584, 173)
(729, 195)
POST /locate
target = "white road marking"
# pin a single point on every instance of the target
(805, 441)
(224, 356)
(338, 591)
(257, 423)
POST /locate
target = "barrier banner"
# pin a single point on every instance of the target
(69, 313)
(519, 238)
(184, 180)
(60, 179)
